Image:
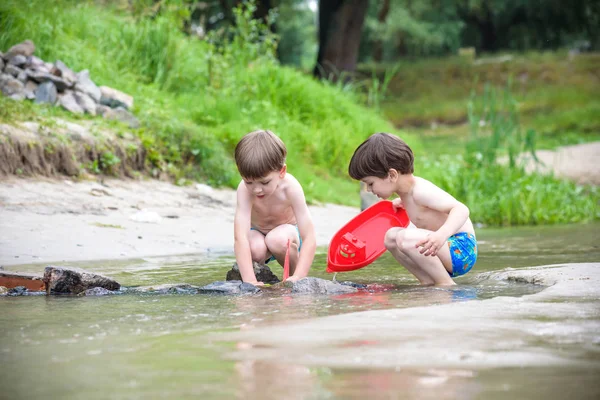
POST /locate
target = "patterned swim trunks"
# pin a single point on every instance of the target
(463, 250)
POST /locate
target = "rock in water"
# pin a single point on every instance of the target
(321, 286)
(262, 272)
(229, 287)
(75, 280)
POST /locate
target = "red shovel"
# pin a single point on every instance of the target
(286, 264)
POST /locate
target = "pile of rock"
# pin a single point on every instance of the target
(25, 76)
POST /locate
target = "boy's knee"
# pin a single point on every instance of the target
(258, 251)
(393, 237)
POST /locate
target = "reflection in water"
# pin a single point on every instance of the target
(148, 345)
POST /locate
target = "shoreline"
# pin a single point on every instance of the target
(44, 221)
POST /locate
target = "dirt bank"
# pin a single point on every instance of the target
(46, 221)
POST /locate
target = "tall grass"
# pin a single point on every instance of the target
(503, 193)
(197, 98)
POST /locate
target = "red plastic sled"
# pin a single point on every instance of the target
(360, 241)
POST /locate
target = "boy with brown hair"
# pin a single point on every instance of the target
(443, 245)
(271, 209)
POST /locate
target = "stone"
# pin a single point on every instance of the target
(85, 102)
(86, 85)
(262, 272)
(69, 103)
(41, 77)
(312, 285)
(1, 64)
(12, 70)
(17, 60)
(115, 98)
(60, 69)
(67, 280)
(25, 48)
(98, 291)
(229, 288)
(165, 288)
(30, 89)
(46, 93)
(10, 86)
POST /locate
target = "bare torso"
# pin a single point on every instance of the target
(270, 212)
(426, 218)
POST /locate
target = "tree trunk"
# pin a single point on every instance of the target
(340, 29)
(381, 17)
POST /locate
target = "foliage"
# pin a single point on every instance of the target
(503, 193)
(196, 98)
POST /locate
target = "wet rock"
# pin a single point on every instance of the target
(99, 291)
(229, 288)
(74, 280)
(262, 272)
(320, 286)
(360, 286)
(17, 291)
(168, 288)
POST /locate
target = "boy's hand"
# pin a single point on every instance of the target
(431, 244)
(397, 203)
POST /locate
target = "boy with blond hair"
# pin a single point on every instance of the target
(443, 245)
(271, 209)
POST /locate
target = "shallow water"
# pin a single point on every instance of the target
(149, 345)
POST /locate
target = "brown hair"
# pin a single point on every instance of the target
(259, 153)
(380, 152)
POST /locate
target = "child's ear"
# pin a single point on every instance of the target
(393, 174)
(283, 171)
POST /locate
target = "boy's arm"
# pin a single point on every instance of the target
(241, 227)
(306, 229)
(431, 196)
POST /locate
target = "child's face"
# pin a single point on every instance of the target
(381, 187)
(265, 186)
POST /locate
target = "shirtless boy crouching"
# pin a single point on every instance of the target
(271, 209)
(444, 244)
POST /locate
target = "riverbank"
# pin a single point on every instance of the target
(51, 221)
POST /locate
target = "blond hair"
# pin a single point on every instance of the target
(259, 153)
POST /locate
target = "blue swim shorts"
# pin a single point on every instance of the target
(272, 258)
(463, 250)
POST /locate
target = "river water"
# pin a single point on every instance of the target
(168, 345)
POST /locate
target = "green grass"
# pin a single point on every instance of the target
(557, 96)
(196, 99)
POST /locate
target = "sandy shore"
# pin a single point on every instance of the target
(51, 221)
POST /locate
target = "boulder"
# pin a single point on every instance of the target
(262, 272)
(86, 85)
(66, 280)
(10, 86)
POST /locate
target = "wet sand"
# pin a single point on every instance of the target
(52, 221)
